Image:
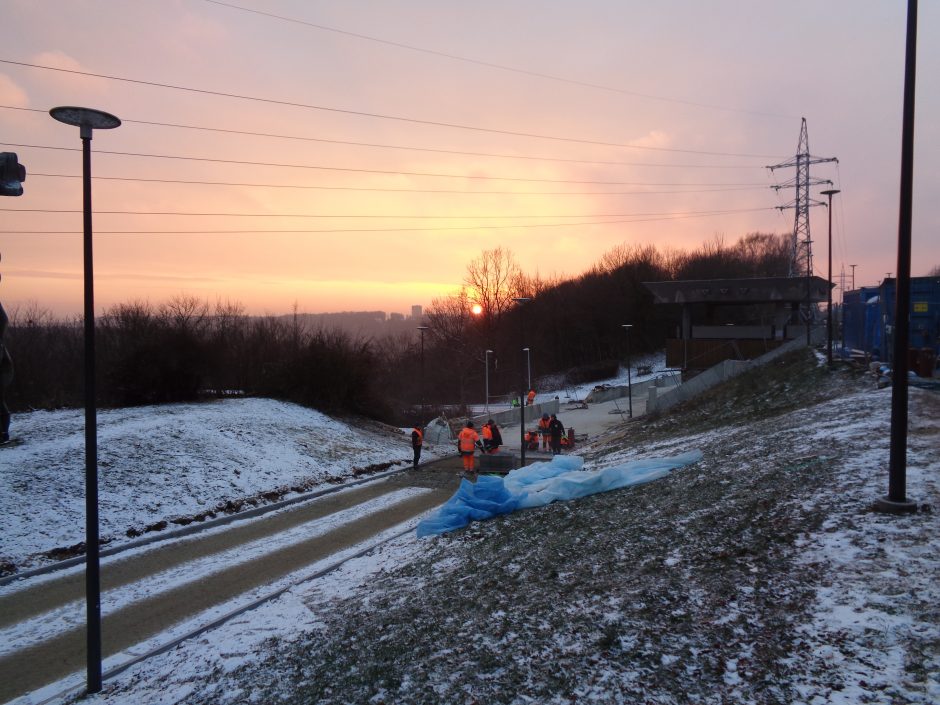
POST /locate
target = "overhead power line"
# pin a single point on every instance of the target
(500, 67)
(432, 150)
(676, 190)
(679, 216)
(379, 116)
(385, 172)
(374, 216)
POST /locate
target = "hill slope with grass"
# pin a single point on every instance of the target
(758, 575)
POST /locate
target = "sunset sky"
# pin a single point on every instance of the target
(396, 141)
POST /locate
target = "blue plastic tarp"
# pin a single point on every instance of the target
(539, 484)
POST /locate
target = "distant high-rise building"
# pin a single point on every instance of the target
(416, 312)
(396, 317)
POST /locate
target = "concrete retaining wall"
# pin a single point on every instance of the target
(597, 396)
(722, 372)
(511, 416)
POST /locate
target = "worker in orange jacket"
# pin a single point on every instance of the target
(417, 441)
(487, 433)
(492, 438)
(467, 441)
(530, 398)
(544, 431)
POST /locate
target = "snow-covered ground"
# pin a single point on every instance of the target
(868, 633)
(655, 362)
(157, 463)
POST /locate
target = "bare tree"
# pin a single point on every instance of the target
(492, 282)
(626, 255)
(186, 313)
(448, 319)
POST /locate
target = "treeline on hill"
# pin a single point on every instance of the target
(184, 349)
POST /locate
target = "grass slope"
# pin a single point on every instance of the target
(713, 585)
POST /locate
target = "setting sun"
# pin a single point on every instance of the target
(476, 309)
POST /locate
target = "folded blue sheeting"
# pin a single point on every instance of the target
(542, 483)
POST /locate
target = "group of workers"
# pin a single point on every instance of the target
(468, 440)
(549, 435)
(529, 399)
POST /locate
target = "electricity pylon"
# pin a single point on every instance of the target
(801, 252)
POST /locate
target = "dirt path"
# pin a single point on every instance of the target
(30, 668)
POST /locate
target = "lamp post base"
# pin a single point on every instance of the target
(889, 506)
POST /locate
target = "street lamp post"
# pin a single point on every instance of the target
(627, 327)
(830, 192)
(809, 304)
(87, 120)
(521, 300)
(486, 361)
(897, 500)
(528, 366)
(423, 385)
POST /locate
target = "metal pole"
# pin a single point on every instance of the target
(627, 328)
(522, 397)
(829, 193)
(424, 412)
(522, 393)
(486, 361)
(809, 274)
(87, 120)
(92, 554)
(896, 500)
(528, 362)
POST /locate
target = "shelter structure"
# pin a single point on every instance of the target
(736, 319)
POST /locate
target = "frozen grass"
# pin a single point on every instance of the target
(759, 575)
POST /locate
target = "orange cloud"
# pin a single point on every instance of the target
(68, 81)
(11, 93)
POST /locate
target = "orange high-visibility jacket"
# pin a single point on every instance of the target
(487, 432)
(467, 439)
(531, 396)
(417, 437)
(543, 425)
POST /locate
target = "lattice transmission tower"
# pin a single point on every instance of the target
(801, 248)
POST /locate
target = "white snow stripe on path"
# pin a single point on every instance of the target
(45, 626)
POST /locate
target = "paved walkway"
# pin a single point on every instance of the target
(591, 420)
(30, 668)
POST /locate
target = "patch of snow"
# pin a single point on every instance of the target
(157, 463)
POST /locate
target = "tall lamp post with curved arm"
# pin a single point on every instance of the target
(87, 120)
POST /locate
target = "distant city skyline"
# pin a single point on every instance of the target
(335, 156)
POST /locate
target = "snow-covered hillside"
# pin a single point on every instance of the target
(759, 575)
(160, 463)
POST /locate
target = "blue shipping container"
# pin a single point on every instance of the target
(868, 316)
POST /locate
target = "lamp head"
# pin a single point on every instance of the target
(86, 119)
